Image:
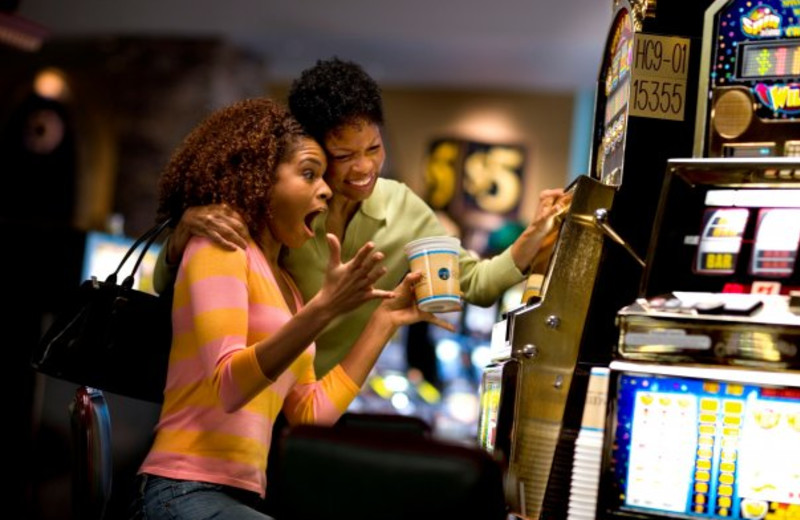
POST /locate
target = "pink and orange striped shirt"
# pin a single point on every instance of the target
(219, 408)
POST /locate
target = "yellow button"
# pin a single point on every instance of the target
(734, 389)
(733, 406)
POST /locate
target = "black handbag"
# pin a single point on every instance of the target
(113, 337)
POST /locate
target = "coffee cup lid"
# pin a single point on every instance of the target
(428, 243)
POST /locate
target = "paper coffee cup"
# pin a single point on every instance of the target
(437, 259)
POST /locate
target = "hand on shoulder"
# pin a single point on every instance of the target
(218, 222)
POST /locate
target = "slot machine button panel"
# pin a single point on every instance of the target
(791, 149)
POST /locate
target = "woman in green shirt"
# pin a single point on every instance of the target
(340, 105)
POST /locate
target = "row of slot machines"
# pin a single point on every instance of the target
(657, 374)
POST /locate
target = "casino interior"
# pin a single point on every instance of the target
(647, 367)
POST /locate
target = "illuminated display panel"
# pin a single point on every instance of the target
(692, 448)
(615, 82)
(770, 61)
(103, 253)
(721, 240)
(776, 243)
(491, 387)
(756, 46)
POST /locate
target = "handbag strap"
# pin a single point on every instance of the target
(148, 238)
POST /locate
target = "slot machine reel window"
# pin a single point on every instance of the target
(615, 85)
(703, 448)
(721, 240)
(772, 241)
(776, 243)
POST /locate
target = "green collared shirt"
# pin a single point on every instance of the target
(391, 217)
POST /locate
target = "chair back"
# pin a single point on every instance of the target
(369, 472)
(92, 459)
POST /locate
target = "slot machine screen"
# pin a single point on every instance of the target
(693, 447)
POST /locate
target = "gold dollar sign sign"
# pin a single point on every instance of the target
(491, 179)
(440, 175)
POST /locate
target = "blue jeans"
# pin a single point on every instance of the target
(161, 498)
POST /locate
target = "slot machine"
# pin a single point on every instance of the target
(751, 73)
(532, 395)
(704, 391)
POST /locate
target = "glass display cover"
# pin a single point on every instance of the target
(776, 243)
(721, 240)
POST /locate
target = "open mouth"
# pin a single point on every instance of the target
(360, 183)
(308, 220)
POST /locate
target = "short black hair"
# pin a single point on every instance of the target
(334, 93)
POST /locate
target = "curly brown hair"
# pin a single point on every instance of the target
(231, 157)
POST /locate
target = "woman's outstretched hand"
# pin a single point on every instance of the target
(398, 310)
(402, 308)
(348, 285)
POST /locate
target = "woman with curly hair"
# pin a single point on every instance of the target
(340, 105)
(243, 338)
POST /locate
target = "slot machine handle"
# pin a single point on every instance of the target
(601, 221)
